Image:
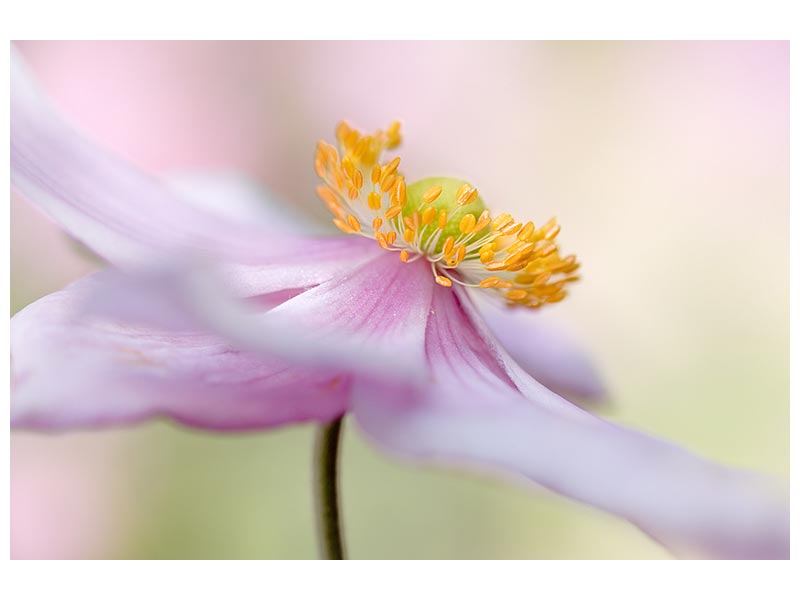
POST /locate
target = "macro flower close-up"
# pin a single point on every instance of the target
(404, 308)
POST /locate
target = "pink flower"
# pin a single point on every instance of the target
(229, 318)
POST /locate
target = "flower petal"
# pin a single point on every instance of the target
(120, 213)
(370, 320)
(70, 371)
(476, 410)
(237, 197)
(546, 351)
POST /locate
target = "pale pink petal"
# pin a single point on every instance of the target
(548, 352)
(88, 356)
(70, 371)
(120, 213)
(237, 197)
(369, 318)
(476, 412)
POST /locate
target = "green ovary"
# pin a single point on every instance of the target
(446, 201)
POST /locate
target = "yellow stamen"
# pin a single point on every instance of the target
(399, 192)
(443, 281)
(374, 200)
(467, 223)
(392, 166)
(521, 263)
(387, 181)
(447, 249)
(393, 211)
(343, 226)
(432, 194)
(354, 223)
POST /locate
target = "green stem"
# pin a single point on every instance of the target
(326, 480)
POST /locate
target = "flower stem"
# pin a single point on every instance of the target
(326, 482)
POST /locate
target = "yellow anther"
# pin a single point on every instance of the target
(517, 295)
(467, 223)
(327, 194)
(393, 135)
(392, 166)
(490, 282)
(404, 255)
(376, 174)
(461, 251)
(549, 225)
(338, 179)
(393, 211)
(329, 152)
(546, 250)
(354, 223)
(377, 222)
(359, 180)
(320, 167)
(557, 297)
(443, 281)
(510, 228)
(552, 233)
(540, 279)
(463, 193)
(482, 222)
(387, 181)
(428, 215)
(374, 200)
(352, 192)
(470, 198)
(342, 130)
(447, 249)
(391, 237)
(442, 222)
(409, 235)
(399, 192)
(526, 233)
(348, 167)
(432, 194)
(524, 279)
(382, 240)
(343, 226)
(486, 256)
(501, 220)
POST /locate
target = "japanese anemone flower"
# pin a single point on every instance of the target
(228, 319)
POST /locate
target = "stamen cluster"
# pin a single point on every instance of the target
(442, 220)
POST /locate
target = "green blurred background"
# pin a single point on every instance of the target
(666, 163)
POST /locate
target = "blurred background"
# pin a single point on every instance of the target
(666, 163)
